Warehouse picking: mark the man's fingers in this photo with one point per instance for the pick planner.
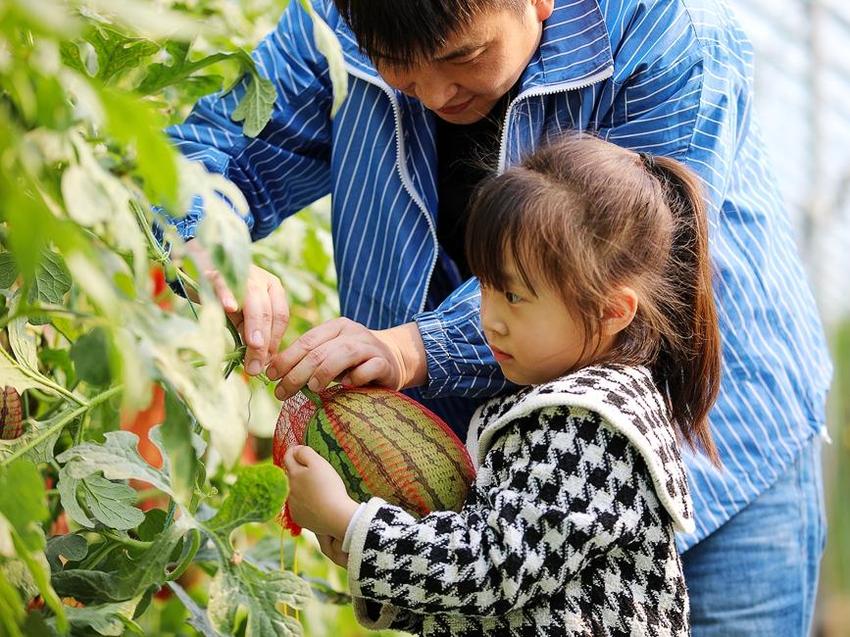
(322, 365)
(375, 370)
(257, 327)
(280, 315)
(283, 363)
(222, 291)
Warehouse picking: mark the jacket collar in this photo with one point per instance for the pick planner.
(574, 48)
(628, 401)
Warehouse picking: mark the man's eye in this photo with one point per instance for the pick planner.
(512, 298)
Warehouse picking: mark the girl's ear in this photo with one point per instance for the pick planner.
(543, 8)
(620, 311)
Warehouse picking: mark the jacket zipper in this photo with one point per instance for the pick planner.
(545, 90)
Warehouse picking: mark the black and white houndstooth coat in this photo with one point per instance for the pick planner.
(567, 530)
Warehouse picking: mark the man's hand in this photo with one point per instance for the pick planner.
(344, 350)
(317, 497)
(261, 320)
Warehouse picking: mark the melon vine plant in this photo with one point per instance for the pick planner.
(90, 337)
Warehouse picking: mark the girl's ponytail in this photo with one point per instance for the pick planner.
(689, 364)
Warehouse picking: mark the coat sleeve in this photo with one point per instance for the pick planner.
(556, 489)
(286, 167)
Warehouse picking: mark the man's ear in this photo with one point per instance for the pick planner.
(620, 311)
(543, 8)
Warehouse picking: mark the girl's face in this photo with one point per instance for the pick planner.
(534, 338)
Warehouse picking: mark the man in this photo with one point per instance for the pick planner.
(437, 86)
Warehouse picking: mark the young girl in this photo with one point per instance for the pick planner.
(595, 295)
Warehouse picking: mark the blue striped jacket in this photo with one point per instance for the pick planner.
(670, 77)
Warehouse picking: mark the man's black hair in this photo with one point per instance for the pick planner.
(405, 31)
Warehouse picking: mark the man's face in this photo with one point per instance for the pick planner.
(466, 78)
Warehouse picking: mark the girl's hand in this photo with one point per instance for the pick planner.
(317, 497)
(332, 548)
(345, 350)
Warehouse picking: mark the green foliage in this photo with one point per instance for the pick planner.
(86, 90)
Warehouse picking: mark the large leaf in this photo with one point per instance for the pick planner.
(91, 356)
(135, 124)
(133, 576)
(21, 378)
(118, 458)
(257, 496)
(264, 594)
(177, 444)
(117, 53)
(8, 270)
(255, 107)
(52, 279)
(111, 503)
(38, 439)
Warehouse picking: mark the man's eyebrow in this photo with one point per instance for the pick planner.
(459, 53)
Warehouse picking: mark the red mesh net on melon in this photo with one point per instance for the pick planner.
(399, 449)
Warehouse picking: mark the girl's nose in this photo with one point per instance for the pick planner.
(490, 321)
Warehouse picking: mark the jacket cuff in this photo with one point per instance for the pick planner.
(437, 358)
(370, 614)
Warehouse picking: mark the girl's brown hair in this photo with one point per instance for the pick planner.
(584, 217)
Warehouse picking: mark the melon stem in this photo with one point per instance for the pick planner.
(313, 396)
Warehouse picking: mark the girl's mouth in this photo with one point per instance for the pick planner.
(499, 355)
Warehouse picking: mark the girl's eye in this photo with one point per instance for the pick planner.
(512, 298)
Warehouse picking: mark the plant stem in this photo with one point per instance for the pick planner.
(125, 539)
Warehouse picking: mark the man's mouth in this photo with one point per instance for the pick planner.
(457, 108)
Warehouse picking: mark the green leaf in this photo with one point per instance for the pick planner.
(8, 270)
(262, 593)
(22, 341)
(255, 107)
(67, 487)
(22, 502)
(176, 436)
(257, 496)
(118, 54)
(105, 619)
(197, 616)
(112, 503)
(14, 374)
(52, 279)
(91, 355)
(133, 576)
(118, 459)
(71, 546)
(329, 46)
(39, 438)
(11, 608)
(133, 123)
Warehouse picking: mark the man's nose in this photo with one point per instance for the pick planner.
(435, 92)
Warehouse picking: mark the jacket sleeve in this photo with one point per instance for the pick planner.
(286, 167)
(556, 489)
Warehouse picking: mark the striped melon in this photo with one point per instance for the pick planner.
(381, 443)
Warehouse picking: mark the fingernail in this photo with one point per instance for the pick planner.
(313, 384)
(254, 367)
(256, 338)
(271, 372)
